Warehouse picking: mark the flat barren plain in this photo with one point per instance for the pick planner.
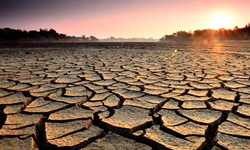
(125, 96)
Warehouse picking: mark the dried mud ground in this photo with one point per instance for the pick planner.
(125, 96)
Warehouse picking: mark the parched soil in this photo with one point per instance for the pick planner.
(120, 96)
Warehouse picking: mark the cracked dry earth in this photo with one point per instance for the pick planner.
(126, 98)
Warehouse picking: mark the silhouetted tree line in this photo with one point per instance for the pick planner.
(8, 34)
(210, 34)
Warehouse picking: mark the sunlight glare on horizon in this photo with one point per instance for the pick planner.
(220, 21)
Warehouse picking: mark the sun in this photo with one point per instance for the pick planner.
(219, 21)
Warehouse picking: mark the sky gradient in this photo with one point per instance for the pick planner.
(118, 18)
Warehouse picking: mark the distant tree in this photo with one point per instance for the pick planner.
(180, 35)
(167, 38)
(92, 38)
(34, 34)
(206, 34)
(62, 36)
(25, 34)
(112, 38)
(84, 37)
(190, 32)
(236, 28)
(44, 33)
(13, 34)
(53, 34)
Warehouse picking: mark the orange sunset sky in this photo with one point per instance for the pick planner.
(128, 18)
